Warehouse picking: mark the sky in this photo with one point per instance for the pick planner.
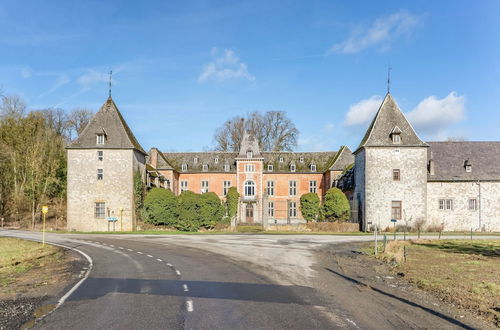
(182, 68)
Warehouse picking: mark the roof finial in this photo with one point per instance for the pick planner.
(389, 79)
(110, 75)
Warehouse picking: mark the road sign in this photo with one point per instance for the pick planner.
(45, 209)
(394, 220)
(112, 219)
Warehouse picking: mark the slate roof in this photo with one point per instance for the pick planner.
(449, 160)
(343, 159)
(322, 160)
(389, 119)
(107, 120)
(249, 143)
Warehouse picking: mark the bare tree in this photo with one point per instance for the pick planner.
(12, 106)
(78, 119)
(273, 129)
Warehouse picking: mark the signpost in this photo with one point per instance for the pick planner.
(113, 220)
(45, 210)
(394, 221)
(121, 218)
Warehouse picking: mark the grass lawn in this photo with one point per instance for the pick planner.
(25, 263)
(463, 272)
(241, 231)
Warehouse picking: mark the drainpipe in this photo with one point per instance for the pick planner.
(479, 203)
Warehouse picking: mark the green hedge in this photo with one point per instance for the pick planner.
(310, 206)
(336, 206)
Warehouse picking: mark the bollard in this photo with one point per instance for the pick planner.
(385, 241)
(471, 234)
(439, 237)
(405, 252)
(418, 231)
(376, 241)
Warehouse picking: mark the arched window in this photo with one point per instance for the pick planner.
(249, 188)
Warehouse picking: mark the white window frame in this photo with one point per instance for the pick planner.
(249, 168)
(99, 210)
(396, 138)
(313, 186)
(227, 167)
(249, 188)
(216, 160)
(292, 209)
(281, 159)
(270, 188)
(301, 159)
(249, 154)
(100, 139)
(184, 185)
(226, 186)
(293, 167)
(100, 155)
(445, 204)
(195, 160)
(204, 167)
(204, 186)
(270, 209)
(270, 168)
(292, 188)
(100, 174)
(184, 167)
(472, 204)
(313, 167)
(468, 168)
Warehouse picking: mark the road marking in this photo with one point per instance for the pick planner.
(185, 288)
(130, 250)
(111, 245)
(178, 272)
(170, 265)
(120, 248)
(159, 260)
(150, 256)
(189, 305)
(139, 252)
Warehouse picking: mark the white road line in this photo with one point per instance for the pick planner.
(169, 265)
(111, 245)
(150, 256)
(159, 260)
(185, 288)
(130, 250)
(139, 252)
(178, 272)
(120, 248)
(189, 305)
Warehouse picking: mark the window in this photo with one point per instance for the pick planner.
(270, 209)
(301, 159)
(396, 139)
(312, 186)
(396, 210)
(100, 138)
(227, 185)
(281, 159)
(167, 184)
(270, 168)
(226, 167)
(473, 204)
(249, 188)
(100, 210)
(270, 188)
(249, 154)
(100, 174)
(204, 186)
(292, 168)
(204, 167)
(396, 175)
(292, 210)
(293, 188)
(446, 204)
(195, 160)
(100, 155)
(184, 186)
(216, 160)
(184, 167)
(468, 168)
(313, 167)
(249, 168)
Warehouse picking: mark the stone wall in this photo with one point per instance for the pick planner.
(460, 218)
(116, 188)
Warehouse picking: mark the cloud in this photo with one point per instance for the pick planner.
(92, 76)
(434, 116)
(26, 72)
(382, 32)
(362, 112)
(225, 66)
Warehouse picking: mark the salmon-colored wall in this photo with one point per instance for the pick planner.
(215, 181)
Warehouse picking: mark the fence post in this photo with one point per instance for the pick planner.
(471, 234)
(385, 241)
(376, 241)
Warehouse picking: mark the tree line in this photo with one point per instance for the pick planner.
(33, 158)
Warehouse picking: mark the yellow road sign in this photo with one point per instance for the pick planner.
(45, 209)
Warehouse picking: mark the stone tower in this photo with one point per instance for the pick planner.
(390, 171)
(102, 163)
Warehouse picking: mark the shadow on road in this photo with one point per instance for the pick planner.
(406, 301)
(94, 288)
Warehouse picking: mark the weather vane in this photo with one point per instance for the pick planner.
(389, 79)
(110, 75)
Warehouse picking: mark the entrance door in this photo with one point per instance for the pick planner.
(249, 212)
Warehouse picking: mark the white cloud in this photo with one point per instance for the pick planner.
(433, 116)
(382, 32)
(26, 72)
(92, 76)
(225, 66)
(362, 112)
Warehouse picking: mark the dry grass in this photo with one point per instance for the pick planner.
(463, 272)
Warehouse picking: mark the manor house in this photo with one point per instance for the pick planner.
(395, 176)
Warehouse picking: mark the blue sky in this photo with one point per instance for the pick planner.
(182, 68)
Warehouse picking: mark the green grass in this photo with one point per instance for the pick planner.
(160, 232)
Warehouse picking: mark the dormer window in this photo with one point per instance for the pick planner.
(249, 154)
(204, 167)
(100, 138)
(281, 159)
(195, 160)
(396, 135)
(184, 167)
(216, 160)
(226, 167)
(292, 167)
(301, 159)
(468, 166)
(269, 168)
(313, 167)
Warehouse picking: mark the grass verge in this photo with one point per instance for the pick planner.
(465, 273)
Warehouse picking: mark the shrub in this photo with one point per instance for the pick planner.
(232, 198)
(309, 206)
(139, 191)
(160, 207)
(188, 211)
(336, 206)
(211, 210)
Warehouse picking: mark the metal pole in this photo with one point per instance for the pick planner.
(394, 231)
(385, 242)
(43, 231)
(121, 219)
(376, 240)
(471, 234)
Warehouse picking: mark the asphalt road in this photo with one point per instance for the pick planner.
(226, 282)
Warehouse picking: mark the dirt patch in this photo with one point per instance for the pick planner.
(31, 275)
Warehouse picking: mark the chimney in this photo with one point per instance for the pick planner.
(154, 157)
